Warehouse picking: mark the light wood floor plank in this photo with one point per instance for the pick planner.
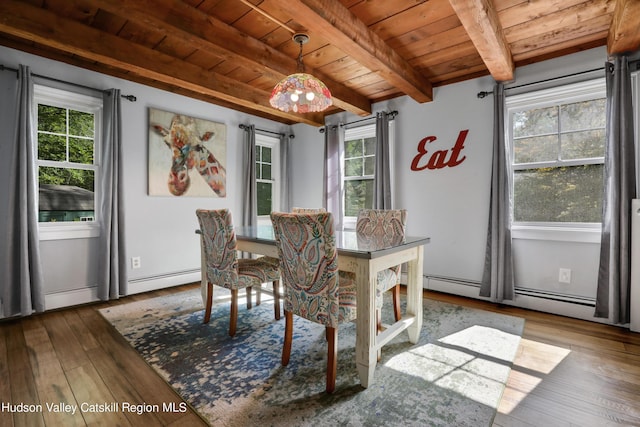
(91, 391)
(49, 377)
(83, 335)
(68, 348)
(5, 384)
(23, 387)
(152, 388)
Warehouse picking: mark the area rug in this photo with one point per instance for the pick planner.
(454, 375)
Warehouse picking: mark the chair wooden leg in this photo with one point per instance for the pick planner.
(207, 310)
(248, 292)
(379, 324)
(233, 318)
(276, 298)
(332, 358)
(258, 294)
(288, 336)
(396, 302)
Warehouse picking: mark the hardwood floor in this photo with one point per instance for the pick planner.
(567, 372)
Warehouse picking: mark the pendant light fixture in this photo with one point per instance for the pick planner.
(300, 92)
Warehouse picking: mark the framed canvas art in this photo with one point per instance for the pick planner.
(187, 156)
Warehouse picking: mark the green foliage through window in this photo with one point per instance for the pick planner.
(359, 169)
(558, 161)
(264, 179)
(66, 163)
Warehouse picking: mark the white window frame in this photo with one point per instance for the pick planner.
(78, 102)
(365, 131)
(571, 93)
(274, 144)
(359, 132)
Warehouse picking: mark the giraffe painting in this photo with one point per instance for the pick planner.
(186, 155)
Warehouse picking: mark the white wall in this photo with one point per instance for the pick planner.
(449, 204)
(160, 230)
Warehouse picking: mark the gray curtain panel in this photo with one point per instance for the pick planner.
(285, 167)
(332, 188)
(22, 286)
(497, 278)
(112, 270)
(614, 274)
(249, 194)
(382, 175)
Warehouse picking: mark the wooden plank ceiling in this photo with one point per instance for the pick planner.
(233, 52)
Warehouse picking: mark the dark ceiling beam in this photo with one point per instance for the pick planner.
(338, 26)
(43, 27)
(202, 31)
(60, 56)
(480, 20)
(624, 32)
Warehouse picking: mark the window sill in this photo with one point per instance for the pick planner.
(68, 231)
(349, 223)
(565, 233)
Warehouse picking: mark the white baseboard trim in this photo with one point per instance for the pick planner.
(146, 284)
(136, 286)
(69, 298)
(561, 308)
(465, 288)
(540, 303)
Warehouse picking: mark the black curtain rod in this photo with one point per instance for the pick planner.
(485, 93)
(632, 64)
(244, 127)
(393, 115)
(131, 98)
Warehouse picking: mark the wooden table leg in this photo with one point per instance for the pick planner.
(414, 294)
(366, 327)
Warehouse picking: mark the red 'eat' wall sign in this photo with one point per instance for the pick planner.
(440, 158)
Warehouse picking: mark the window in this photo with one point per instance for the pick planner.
(557, 140)
(68, 129)
(359, 167)
(267, 174)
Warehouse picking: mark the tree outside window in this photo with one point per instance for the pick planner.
(359, 169)
(558, 155)
(264, 180)
(67, 167)
(267, 175)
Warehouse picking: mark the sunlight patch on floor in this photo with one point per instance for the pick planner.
(534, 361)
(473, 362)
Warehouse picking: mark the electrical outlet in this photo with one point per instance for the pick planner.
(135, 262)
(565, 275)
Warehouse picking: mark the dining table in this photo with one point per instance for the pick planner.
(365, 257)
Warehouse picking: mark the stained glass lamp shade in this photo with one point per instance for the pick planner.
(300, 92)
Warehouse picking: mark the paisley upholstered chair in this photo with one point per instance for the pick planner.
(313, 287)
(223, 268)
(308, 210)
(384, 225)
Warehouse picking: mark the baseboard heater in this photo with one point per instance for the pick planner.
(552, 296)
(471, 288)
(165, 280)
(455, 280)
(164, 275)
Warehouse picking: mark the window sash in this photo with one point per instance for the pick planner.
(360, 133)
(554, 97)
(274, 144)
(68, 100)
